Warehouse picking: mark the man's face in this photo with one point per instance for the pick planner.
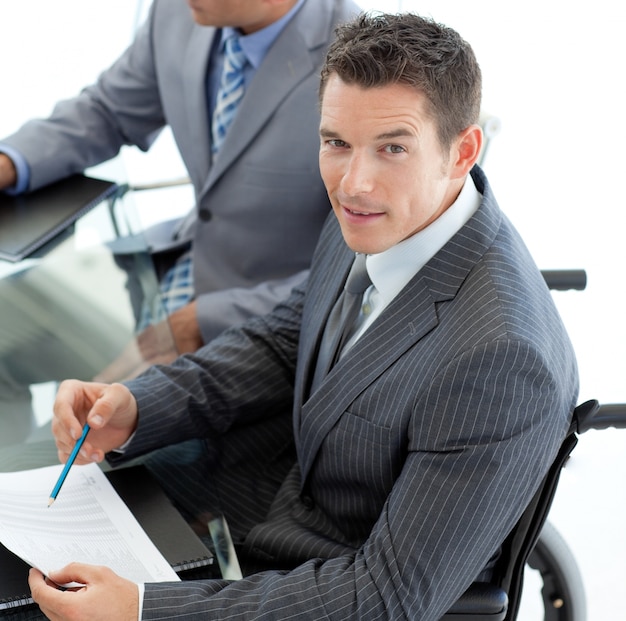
(381, 161)
(248, 15)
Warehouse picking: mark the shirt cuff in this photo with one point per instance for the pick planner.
(22, 168)
(122, 449)
(140, 589)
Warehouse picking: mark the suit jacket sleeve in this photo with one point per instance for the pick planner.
(219, 310)
(241, 376)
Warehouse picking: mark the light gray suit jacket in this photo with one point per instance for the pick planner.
(261, 207)
(415, 456)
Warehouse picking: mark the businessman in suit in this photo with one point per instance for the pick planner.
(420, 446)
(258, 214)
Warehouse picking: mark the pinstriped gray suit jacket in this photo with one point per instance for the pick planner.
(415, 456)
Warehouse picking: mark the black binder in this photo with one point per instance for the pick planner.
(165, 526)
(30, 221)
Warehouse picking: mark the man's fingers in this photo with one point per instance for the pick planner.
(109, 409)
(70, 409)
(78, 574)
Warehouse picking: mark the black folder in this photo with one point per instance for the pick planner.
(165, 526)
(30, 221)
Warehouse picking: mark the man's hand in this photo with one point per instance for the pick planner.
(105, 595)
(160, 343)
(8, 174)
(186, 329)
(110, 410)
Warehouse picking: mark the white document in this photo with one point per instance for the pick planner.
(88, 523)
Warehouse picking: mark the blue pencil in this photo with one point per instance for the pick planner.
(68, 465)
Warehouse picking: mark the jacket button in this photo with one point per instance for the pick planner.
(307, 502)
(205, 215)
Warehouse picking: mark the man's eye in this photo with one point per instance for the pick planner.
(394, 148)
(335, 142)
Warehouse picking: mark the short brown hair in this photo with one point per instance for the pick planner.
(379, 49)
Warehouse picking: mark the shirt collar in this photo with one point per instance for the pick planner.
(256, 45)
(391, 270)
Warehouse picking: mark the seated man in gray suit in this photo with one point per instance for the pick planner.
(258, 214)
(421, 439)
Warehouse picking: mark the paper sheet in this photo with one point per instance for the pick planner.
(88, 523)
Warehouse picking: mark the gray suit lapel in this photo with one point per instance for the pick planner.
(195, 101)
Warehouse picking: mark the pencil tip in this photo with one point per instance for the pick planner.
(50, 501)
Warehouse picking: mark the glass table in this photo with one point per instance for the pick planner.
(87, 308)
(72, 313)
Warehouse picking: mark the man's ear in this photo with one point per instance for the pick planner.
(466, 150)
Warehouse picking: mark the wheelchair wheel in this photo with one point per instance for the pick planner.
(562, 592)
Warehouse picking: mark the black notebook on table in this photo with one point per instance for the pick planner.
(165, 526)
(29, 221)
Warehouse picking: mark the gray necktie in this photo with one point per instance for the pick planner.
(341, 319)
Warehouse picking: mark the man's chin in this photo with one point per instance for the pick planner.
(357, 243)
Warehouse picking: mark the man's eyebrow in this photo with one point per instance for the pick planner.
(395, 133)
(390, 135)
(328, 133)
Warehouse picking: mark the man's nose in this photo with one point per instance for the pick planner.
(358, 177)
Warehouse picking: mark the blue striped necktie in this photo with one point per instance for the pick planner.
(230, 91)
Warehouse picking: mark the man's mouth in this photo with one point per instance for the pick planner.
(355, 211)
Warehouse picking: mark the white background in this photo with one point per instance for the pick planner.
(554, 75)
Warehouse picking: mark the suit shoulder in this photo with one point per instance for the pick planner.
(317, 19)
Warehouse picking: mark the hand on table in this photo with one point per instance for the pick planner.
(105, 595)
(8, 174)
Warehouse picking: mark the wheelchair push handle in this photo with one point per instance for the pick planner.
(610, 415)
(564, 280)
(592, 415)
